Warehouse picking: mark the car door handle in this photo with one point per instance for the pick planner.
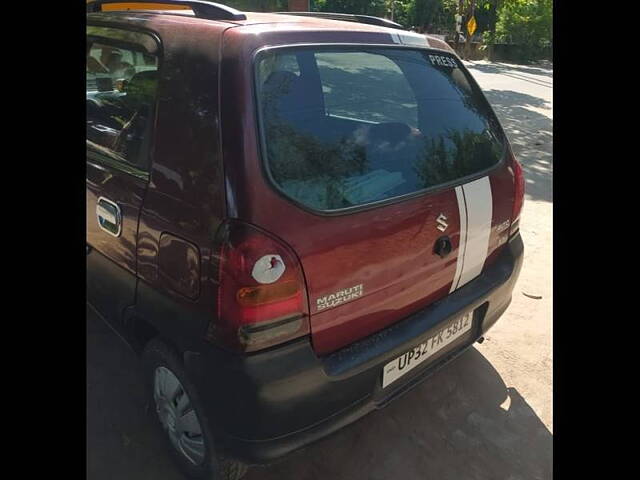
(109, 216)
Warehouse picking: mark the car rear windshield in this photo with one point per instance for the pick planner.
(346, 126)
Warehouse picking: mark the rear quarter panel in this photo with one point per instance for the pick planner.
(184, 200)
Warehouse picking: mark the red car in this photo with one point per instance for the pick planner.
(295, 220)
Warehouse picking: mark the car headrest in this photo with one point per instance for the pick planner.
(287, 96)
(280, 82)
(141, 88)
(112, 60)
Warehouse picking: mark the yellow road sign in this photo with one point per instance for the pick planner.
(471, 25)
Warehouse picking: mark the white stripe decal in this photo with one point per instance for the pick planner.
(395, 38)
(463, 233)
(475, 229)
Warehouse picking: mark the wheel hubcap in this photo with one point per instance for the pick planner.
(177, 416)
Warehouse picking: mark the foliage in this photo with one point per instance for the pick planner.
(432, 15)
(376, 8)
(435, 16)
(525, 22)
(486, 15)
(258, 5)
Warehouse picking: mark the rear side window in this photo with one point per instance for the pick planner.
(348, 126)
(122, 78)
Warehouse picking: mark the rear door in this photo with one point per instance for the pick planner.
(401, 163)
(121, 83)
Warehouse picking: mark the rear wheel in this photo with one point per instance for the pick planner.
(182, 419)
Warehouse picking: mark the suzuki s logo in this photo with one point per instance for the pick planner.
(442, 222)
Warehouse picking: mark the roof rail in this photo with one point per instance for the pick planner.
(348, 17)
(201, 9)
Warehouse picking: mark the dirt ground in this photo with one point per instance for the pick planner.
(488, 415)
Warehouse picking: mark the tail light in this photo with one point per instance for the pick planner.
(262, 299)
(518, 200)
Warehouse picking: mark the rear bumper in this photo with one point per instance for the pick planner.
(266, 405)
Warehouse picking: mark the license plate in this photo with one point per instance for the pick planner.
(414, 357)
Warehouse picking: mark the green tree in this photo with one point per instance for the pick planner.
(432, 15)
(525, 22)
(259, 5)
(376, 8)
(486, 15)
(400, 9)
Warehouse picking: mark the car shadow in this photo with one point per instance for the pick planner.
(122, 441)
(462, 423)
(531, 136)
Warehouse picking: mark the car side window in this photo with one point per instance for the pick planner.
(122, 79)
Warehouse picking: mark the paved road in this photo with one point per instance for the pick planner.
(486, 416)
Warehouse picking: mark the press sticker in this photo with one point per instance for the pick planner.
(442, 61)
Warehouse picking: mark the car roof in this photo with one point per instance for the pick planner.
(252, 18)
(268, 20)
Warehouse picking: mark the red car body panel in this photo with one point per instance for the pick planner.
(388, 249)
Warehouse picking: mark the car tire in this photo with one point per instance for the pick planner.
(163, 366)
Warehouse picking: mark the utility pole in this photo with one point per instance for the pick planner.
(471, 12)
